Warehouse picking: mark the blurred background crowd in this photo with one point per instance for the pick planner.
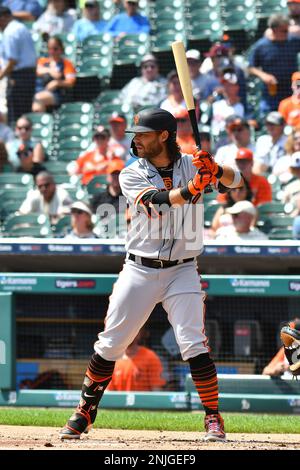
(73, 73)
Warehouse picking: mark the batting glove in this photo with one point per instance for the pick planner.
(201, 179)
(205, 161)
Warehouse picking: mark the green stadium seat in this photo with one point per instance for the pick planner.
(15, 180)
(280, 234)
(271, 208)
(264, 9)
(131, 48)
(209, 212)
(42, 231)
(55, 167)
(97, 184)
(62, 226)
(26, 225)
(76, 107)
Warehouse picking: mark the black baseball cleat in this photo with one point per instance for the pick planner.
(78, 423)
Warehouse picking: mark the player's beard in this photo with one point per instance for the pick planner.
(153, 150)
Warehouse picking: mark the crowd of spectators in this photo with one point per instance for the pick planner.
(264, 143)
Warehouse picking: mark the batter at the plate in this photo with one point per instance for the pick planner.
(164, 190)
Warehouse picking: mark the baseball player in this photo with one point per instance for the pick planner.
(164, 189)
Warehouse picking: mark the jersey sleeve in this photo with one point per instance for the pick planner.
(134, 186)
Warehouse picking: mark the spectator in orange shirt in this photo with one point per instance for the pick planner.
(138, 370)
(289, 108)
(94, 162)
(185, 138)
(259, 185)
(55, 75)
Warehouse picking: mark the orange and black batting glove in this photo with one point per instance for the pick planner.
(205, 161)
(201, 179)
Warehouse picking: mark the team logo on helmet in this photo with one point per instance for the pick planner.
(136, 119)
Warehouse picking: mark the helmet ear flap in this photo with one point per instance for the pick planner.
(133, 150)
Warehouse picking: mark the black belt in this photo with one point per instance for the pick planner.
(157, 263)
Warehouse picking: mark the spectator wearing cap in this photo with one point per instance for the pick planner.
(270, 146)
(273, 61)
(94, 162)
(291, 191)
(239, 135)
(56, 19)
(200, 82)
(18, 62)
(81, 222)
(24, 10)
(90, 23)
(221, 60)
(230, 103)
(56, 75)
(48, 198)
(113, 193)
(147, 90)
(129, 21)
(290, 107)
(243, 215)
(293, 17)
(119, 141)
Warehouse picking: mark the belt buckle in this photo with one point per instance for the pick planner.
(160, 261)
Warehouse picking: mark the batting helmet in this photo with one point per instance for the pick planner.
(153, 119)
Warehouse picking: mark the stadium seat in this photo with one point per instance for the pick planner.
(280, 234)
(209, 212)
(247, 338)
(62, 226)
(76, 107)
(264, 9)
(131, 48)
(271, 208)
(26, 225)
(55, 167)
(97, 184)
(15, 180)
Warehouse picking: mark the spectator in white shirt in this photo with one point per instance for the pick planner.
(270, 147)
(55, 20)
(148, 89)
(228, 105)
(243, 216)
(49, 199)
(240, 137)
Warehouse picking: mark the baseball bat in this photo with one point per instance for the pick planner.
(186, 86)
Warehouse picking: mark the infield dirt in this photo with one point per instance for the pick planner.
(45, 438)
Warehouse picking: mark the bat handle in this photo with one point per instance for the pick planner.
(208, 188)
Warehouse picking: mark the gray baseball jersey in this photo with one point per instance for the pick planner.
(178, 233)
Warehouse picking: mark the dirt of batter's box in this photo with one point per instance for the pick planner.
(43, 438)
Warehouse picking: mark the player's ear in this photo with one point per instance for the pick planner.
(164, 135)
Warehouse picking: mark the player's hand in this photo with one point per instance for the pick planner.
(205, 161)
(201, 179)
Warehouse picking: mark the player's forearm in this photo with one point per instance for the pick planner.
(231, 178)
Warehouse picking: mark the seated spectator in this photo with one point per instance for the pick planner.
(24, 154)
(5, 165)
(49, 199)
(55, 20)
(119, 141)
(279, 365)
(174, 103)
(90, 23)
(81, 222)
(219, 54)
(291, 192)
(185, 138)
(222, 218)
(243, 215)
(148, 89)
(139, 370)
(55, 75)
(281, 168)
(259, 185)
(113, 193)
(94, 162)
(239, 136)
(228, 104)
(23, 10)
(128, 22)
(6, 133)
(201, 84)
(289, 107)
(270, 147)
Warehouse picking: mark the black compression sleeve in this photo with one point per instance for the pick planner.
(157, 197)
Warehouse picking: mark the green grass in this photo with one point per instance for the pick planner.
(155, 420)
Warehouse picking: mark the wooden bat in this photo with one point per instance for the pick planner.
(186, 86)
